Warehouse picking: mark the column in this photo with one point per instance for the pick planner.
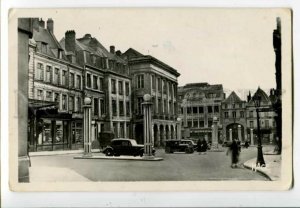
(240, 132)
(251, 137)
(87, 126)
(230, 134)
(179, 130)
(215, 132)
(163, 139)
(133, 131)
(125, 130)
(271, 137)
(158, 136)
(147, 127)
(152, 129)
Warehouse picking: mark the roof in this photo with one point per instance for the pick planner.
(198, 91)
(233, 98)
(133, 57)
(264, 97)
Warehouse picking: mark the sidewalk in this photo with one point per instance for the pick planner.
(54, 174)
(272, 169)
(59, 152)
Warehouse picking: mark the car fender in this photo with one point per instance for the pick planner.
(108, 148)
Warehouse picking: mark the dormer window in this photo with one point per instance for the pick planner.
(44, 47)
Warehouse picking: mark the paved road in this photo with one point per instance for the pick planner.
(174, 167)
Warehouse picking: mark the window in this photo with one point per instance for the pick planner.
(101, 83)
(195, 124)
(88, 80)
(188, 110)
(159, 106)
(181, 110)
(120, 88)
(96, 107)
(251, 124)
(95, 82)
(153, 81)
(226, 114)
(201, 110)
(39, 71)
(201, 123)
(164, 86)
(127, 108)
(216, 109)
(115, 129)
(64, 77)
(72, 80)
(40, 95)
(233, 114)
(139, 106)
(127, 88)
(78, 104)
(56, 79)
(114, 107)
(189, 123)
(267, 124)
(121, 108)
(64, 102)
(71, 103)
(209, 109)
(122, 131)
(195, 110)
(78, 81)
(56, 97)
(242, 114)
(113, 86)
(48, 73)
(210, 123)
(140, 81)
(165, 107)
(226, 106)
(44, 47)
(159, 84)
(233, 105)
(170, 89)
(251, 114)
(102, 107)
(49, 96)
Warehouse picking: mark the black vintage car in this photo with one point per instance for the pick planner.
(179, 146)
(119, 147)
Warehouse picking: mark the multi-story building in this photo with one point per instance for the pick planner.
(152, 76)
(55, 116)
(266, 114)
(233, 118)
(199, 104)
(106, 81)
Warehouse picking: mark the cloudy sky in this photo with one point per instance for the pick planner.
(218, 46)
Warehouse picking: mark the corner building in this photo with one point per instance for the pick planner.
(152, 76)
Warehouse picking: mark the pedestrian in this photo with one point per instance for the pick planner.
(202, 146)
(246, 144)
(234, 150)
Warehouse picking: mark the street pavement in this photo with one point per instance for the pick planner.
(173, 167)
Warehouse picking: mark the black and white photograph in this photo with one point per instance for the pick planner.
(150, 99)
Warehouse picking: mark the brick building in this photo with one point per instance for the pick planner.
(199, 104)
(152, 76)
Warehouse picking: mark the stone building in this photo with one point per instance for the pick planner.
(267, 122)
(233, 118)
(55, 119)
(199, 104)
(152, 76)
(106, 81)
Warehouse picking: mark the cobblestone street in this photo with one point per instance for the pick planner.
(174, 167)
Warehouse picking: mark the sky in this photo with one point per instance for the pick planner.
(233, 47)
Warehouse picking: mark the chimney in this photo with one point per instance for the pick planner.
(118, 52)
(50, 25)
(112, 49)
(42, 23)
(70, 37)
(35, 23)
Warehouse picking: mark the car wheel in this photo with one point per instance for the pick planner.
(187, 150)
(141, 153)
(168, 150)
(109, 152)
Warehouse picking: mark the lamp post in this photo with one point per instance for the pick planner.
(260, 157)
(148, 146)
(179, 129)
(87, 127)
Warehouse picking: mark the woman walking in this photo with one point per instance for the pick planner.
(235, 152)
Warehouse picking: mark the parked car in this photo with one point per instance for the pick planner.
(179, 146)
(119, 147)
(189, 142)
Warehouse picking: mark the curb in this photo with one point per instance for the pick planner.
(60, 152)
(259, 171)
(119, 158)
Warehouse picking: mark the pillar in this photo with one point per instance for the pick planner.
(215, 132)
(133, 131)
(271, 137)
(147, 127)
(179, 130)
(251, 137)
(87, 123)
(230, 134)
(240, 132)
(163, 139)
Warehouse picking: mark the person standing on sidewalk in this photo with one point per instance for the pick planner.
(235, 152)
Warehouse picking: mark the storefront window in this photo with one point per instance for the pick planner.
(59, 132)
(47, 137)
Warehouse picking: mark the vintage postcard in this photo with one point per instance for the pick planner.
(150, 99)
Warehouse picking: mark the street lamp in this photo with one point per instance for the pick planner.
(260, 157)
(179, 129)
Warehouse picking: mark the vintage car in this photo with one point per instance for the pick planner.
(189, 142)
(179, 146)
(119, 147)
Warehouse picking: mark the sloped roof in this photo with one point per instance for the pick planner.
(194, 91)
(259, 92)
(43, 35)
(233, 98)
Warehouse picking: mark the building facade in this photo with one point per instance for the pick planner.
(234, 121)
(151, 76)
(267, 121)
(199, 104)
